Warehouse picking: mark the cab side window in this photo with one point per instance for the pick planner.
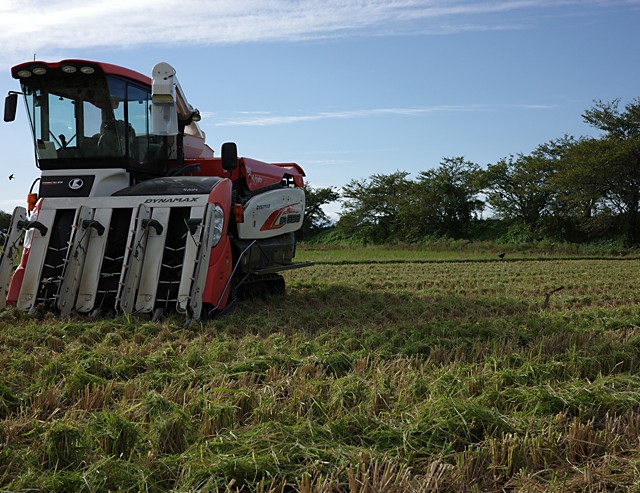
(148, 151)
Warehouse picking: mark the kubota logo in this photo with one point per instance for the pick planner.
(76, 184)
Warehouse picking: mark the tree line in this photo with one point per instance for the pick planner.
(568, 189)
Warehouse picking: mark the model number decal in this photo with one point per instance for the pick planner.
(289, 214)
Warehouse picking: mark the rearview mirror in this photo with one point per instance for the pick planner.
(10, 105)
(229, 154)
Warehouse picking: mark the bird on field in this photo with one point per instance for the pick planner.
(11, 176)
(501, 255)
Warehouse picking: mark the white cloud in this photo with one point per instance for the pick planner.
(251, 119)
(54, 25)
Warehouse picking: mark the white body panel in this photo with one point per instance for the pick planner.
(32, 273)
(203, 239)
(75, 263)
(272, 213)
(154, 249)
(192, 247)
(93, 261)
(133, 260)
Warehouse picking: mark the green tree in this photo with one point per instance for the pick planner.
(374, 209)
(5, 220)
(315, 218)
(604, 172)
(446, 199)
(606, 116)
(521, 188)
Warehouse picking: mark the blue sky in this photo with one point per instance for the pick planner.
(346, 88)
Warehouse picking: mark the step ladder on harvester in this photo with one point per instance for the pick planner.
(120, 255)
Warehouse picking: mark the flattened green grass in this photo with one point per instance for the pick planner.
(459, 250)
(395, 377)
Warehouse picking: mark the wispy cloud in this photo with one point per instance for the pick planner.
(56, 25)
(258, 119)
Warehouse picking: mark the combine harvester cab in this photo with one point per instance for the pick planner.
(133, 212)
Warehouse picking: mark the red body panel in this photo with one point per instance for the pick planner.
(216, 291)
(256, 173)
(294, 170)
(16, 281)
(105, 68)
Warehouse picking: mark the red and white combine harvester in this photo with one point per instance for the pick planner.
(133, 212)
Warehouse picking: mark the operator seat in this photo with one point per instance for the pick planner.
(112, 138)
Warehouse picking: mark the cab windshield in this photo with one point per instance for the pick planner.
(86, 121)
